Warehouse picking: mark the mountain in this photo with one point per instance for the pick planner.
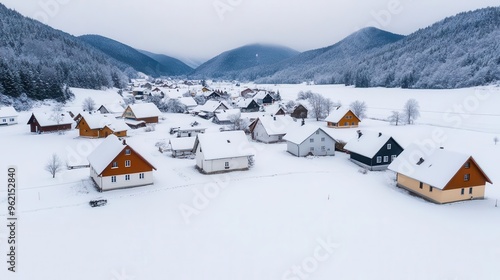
(242, 58)
(37, 61)
(459, 51)
(178, 67)
(137, 60)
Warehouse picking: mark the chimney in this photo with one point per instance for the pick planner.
(274, 118)
(359, 133)
(124, 142)
(442, 148)
(379, 134)
(420, 161)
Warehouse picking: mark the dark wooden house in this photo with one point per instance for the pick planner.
(299, 112)
(44, 122)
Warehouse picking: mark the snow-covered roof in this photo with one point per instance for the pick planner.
(102, 156)
(209, 106)
(8, 112)
(297, 135)
(244, 103)
(260, 95)
(228, 144)
(182, 143)
(188, 101)
(278, 125)
(95, 121)
(113, 108)
(208, 93)
(368, 144)
(118, 125)
(192, 128)
(133, 122)
(145, 110)
(47, 119)
(337, 114)
(439, 166)
(225, 115)
(274, 108)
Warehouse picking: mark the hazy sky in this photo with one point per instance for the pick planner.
(202, 29)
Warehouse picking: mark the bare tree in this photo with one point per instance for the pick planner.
(57, 113)
(54, 165)
(330, 105)
(319, 106)
(305, 95)
(175, 106)
(290, 105)
(411, 110)
(395, 118)
(88, 104)
(238, 123)
(495, 140)
(359, 109)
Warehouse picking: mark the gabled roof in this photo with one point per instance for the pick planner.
(338, 114)
(368, 144)
(261, 95)
(113, 108)
(188, 101)
(118, 125)
(220, 145)
(278, 125)
(94, 121)
(182, 143)
(208, 93)
(225, 115)
(47, 119)
(209, 106)
(106, 152)
(244, 103)
(300, 134)
(145, 110)
(8, 112)
(439, 166)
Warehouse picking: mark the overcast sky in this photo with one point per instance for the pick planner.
(202, 29)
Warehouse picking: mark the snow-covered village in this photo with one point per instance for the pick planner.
(209, 174)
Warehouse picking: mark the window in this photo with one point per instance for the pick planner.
(462, 191)
(141, 175)
(389, 146)
(115, 164)
(430, 188)
(127, 177)
(386, 158)
(353, 123)
(12, 120)
(393, 157)
(127, 152)
(379, 159)
(346, 123)
(127, 163)
(466, 177)
(311, 140)
(470, 190)
(113, 179)
(317, 131)
(421, 185)
(323, 148)
(322, 139)
(467, 165)
(226, 165)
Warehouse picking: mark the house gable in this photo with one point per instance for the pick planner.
(384, 151)
(476, 176)
(137, 164)
(128, 113)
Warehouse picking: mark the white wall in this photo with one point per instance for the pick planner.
(261, 135)
(218, 165)
(305, 148)
(105, 183)
(8, 120)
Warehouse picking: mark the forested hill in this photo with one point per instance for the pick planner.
(38, 60)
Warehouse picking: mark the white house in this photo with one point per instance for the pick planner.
(310, 140)
(116, 165)
(272, 129)
(208, 109)
(222, 151)
(181, 146)
(8, 116)
(189, 102)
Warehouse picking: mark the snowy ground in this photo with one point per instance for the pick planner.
(286, 218)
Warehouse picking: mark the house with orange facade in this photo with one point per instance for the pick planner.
(99, 126)
(147, 112)
(116, 165)
(342, 118)
(439, 175)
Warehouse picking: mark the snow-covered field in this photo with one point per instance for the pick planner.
(286, 218)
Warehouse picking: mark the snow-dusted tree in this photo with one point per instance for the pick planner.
(318, 106)
(395, 118)
(57, 113)
(330, 105)
(158, 101)
(200, 99)
(290, 105)
(411, 110)
(88, 104)
(304, 95)
(129, 100)
(53, 165)
(358, 108)
(173, 105)
(238, 123)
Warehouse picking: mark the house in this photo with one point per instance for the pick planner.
(226, 117)
(211, 95)
(247, 105)
(189, 102)
(113, 108)
(263, 98)
(208, 109)
(373, 150)
(182, 147)
(310, 140)
(299, 112)
(98, 126)
(275, 110)
(44, 122)
(439, 175)
(222, 151)
(246, 93)
(342, 118)
(187, 131)
(8, 116)
(134, 124)
(147, 112)
(272, 129)
(116, 165)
